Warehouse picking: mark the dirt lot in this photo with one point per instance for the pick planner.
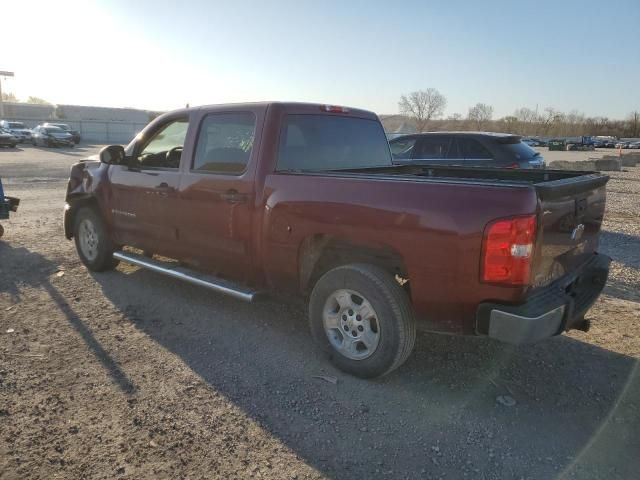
(131, 375)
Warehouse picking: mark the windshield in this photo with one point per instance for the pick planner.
(54, 130)
(520, 150)
(327, 142)
(16, 125)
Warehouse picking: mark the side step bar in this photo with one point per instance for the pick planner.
(208, 281)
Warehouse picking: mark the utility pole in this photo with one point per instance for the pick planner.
(3, 74)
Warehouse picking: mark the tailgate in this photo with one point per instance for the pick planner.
(571, 213)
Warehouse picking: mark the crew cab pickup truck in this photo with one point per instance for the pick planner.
(304, 198)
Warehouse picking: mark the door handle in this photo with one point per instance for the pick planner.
(164, 189)
(233, 196)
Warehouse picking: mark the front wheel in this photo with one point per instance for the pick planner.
(93, 244)
(363, 318)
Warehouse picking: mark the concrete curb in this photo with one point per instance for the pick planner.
(608, 163)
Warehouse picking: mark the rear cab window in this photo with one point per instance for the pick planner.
(330, 142)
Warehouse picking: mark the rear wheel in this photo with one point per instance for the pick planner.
(92, 240)
(363, 318)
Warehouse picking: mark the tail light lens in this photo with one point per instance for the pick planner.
(507, 250)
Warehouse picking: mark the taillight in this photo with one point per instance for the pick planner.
(334, 109)
(507, 250)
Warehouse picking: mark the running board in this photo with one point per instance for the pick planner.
(208, 281)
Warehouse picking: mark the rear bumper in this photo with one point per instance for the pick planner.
(549, 311)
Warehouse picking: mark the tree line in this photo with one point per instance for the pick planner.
(10, 97)
(424, 110)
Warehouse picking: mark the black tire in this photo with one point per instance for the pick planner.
(397, 330)
(102, 246)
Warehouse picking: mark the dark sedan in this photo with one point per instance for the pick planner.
(74, 133)
(469, 149)
(51, 137)
(7, 139)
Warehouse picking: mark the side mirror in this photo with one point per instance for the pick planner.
(112, 154)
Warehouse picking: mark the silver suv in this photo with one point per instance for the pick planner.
(17, 129)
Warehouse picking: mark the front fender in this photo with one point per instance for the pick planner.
(83, 188)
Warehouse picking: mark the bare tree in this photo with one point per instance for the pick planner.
(525, 115)
(9, 97)
(37, 101)
(633, 122)
(552, 118)
(423, 106)
(480, 114)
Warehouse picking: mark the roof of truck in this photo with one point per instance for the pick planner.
(288, 107)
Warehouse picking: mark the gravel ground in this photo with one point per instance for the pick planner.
(574, 156)
(128, 374)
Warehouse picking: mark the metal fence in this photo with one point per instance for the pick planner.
(94, 131)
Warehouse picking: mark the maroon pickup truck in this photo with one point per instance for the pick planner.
(304, 198)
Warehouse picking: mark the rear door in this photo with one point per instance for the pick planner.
(145, 191)
(432, 150)
(474, 154)
(218, 193)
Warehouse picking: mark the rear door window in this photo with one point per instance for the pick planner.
(473, 150)
(225, 143)
(431, 148)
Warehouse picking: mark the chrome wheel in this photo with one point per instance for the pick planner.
(88, 237)
(351, 324)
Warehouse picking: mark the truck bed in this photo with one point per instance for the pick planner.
(547, 183)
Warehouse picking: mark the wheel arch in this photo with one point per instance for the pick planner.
(74, 203)
(320, 253)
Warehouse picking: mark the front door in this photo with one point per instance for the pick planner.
(217, 194)
(146, 190)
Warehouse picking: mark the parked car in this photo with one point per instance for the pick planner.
(473, 149)
(305, 198)
(8, 139)
(51, 137)
(608, 143)
(622, 144)
(534, 142)
(74, 133)
(18, 129)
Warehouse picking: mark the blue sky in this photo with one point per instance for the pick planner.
(580, 55)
